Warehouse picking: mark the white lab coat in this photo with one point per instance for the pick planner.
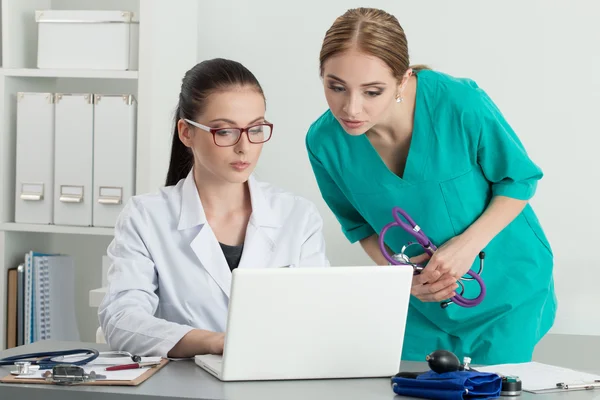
(169, 275)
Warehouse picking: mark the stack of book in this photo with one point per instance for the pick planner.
(41, 300)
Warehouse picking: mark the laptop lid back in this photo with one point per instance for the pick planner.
(311, 323)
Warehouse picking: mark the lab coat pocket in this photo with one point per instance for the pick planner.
(466, 197)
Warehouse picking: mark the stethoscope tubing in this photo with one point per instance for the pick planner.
(413, 229)
(45, 359)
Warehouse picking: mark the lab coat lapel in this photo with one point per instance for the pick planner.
(259, 244)
(204, 243)
(207, 249)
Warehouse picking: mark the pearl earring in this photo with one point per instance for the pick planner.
(399, 99)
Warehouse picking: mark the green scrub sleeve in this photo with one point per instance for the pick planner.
(501, 154)
(352, 223)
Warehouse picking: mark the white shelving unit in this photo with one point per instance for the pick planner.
(19, 72)
(69, 73)
(73, 230)
(168, 47)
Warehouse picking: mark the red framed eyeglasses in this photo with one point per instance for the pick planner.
(230, 136)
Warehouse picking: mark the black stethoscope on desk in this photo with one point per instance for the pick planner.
(50, 359)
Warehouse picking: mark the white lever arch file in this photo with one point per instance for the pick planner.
(34, 183)
(74, 126)
(114, 156)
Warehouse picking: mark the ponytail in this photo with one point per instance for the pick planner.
(419, 67)
(182, 158)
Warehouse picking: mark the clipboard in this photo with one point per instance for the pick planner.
(542, 378)
(100, 382)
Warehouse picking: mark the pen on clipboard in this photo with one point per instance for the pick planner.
(591, 385)
(131, 366)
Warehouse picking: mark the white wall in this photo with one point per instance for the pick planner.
(168, 45)
(539, 61)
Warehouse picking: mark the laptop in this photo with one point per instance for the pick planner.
(313, 323)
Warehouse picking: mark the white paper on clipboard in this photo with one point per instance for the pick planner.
(538, 378)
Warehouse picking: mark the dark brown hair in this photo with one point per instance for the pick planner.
(201, 81)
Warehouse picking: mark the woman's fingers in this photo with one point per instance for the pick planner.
(432, 288)
(432, 272)
(429, 276)
(438, 291)
(444, 294)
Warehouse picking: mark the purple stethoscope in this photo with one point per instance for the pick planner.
(402, 259)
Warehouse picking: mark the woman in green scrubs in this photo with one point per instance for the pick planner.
(438, 147)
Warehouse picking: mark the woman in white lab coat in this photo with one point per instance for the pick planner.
(174, 251)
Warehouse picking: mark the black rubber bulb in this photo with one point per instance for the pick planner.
(441, 361)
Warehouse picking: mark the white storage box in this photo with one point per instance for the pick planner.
(87, 39)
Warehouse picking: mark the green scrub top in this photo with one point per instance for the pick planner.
(462, 153)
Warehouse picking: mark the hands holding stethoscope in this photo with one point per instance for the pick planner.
(450, 262)
(446, 266)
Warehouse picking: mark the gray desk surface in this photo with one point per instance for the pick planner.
(185, 380)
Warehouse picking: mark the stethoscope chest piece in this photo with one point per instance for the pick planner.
(24, 368)
(402, 258)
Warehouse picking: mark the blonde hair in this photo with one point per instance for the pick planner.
(372, 31)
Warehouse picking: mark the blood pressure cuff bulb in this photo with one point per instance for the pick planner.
(456, 385)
